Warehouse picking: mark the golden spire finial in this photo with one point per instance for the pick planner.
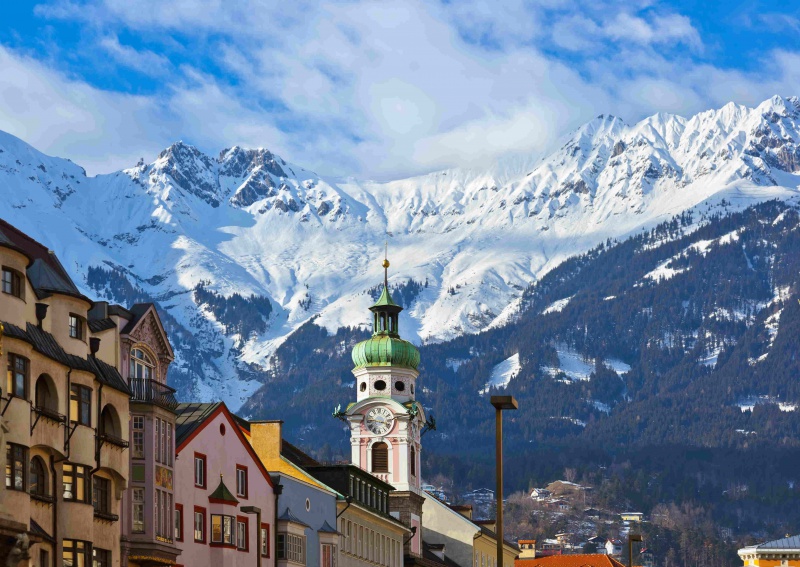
(386, 264)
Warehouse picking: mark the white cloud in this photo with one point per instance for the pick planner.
(143, 61)
(378, 89)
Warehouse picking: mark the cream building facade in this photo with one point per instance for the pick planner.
(64, 410)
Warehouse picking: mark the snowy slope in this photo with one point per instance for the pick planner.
(247, 221)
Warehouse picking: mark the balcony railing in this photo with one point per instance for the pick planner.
(113, 440)
(106, 516)
(150, 391)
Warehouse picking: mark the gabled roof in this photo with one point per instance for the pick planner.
(579, 560)
(46, 344)
(139, 311)
(45, 272)
(192, 418)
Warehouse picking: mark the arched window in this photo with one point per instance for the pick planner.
(413, 461)
(142, 366)
(109, 422)
(38, 477)
(45, 398)
(380, 457)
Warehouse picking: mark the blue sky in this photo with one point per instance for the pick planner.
(373, 89)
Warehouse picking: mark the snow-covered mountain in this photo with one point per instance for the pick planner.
(190, 230)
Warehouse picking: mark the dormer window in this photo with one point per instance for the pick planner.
(12, 282)
(142, 365)
(76, 326)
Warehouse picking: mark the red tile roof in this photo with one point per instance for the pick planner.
(582, 560)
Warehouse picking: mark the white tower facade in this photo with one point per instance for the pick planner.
(386, 420)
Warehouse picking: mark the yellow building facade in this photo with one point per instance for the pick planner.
(779, 553)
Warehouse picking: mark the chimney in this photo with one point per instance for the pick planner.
(94, 345)
(41, 313)
(99, 310)
(266, 437)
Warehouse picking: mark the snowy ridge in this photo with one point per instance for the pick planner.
(249, 222)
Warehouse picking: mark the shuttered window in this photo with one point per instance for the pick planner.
(380, 457)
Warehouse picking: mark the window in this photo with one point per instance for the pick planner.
(138, 436)
(199, 524)
(163, 516)
(242, 532)
(413, 461)
(178, 522)
(44, 558)
(163, 444)
(138, 510)
(328, 555)
(44, 399)
(76, 483)
(241, 481)
(102, 557)
(157, 433)
(170, 451)
(292, 548)
(222, 529)
(141, 365)
(200, 470)
(12, 282)
(80, 405)
(265, 540)
(16, 466)
(17, 376)
(100, 495)
(75, 326)
(77, 553)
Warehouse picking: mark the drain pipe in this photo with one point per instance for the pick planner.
(55, 508)
(67, 440)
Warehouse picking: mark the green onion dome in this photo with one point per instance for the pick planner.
(385, 350)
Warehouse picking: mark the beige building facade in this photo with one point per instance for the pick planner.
(64, 411)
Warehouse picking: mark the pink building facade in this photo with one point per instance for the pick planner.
(219, 484)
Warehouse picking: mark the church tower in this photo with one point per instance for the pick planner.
(385, 421)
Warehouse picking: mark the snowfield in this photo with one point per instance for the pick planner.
(249, 222)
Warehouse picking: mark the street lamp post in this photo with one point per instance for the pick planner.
(500, 403)
(631, 539)
(257, 511)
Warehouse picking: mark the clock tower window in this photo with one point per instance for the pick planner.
(380, 457)
(413, 461)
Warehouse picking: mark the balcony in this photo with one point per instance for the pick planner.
(145, 390)
(113, 440)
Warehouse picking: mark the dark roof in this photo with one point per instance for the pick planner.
(792, 542)
(100, 325)
(40, 531)
(138, 311)
(287, 516)
(46, 344)
(45, 272)
(428, 554)
(486, 531)
(190, 417)
(327, 529)
(222, 493)
(296, 456)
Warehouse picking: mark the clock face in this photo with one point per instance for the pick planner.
(379, 420)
